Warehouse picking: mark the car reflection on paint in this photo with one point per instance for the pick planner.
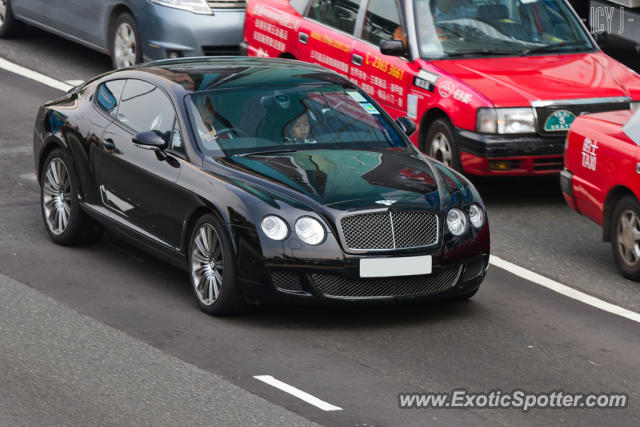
(266, 180)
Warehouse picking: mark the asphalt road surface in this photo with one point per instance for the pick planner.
(106, 334)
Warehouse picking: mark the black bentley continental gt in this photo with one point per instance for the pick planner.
(265, 179)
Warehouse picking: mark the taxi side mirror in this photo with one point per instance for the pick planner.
(407, 125)
(393, 48)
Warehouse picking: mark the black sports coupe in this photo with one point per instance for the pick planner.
(265, 179)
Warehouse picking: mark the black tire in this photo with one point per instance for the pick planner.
(80, 228)
(432, 144)
(628, 261)
(124, 19)
(227, 297)
(9, 25)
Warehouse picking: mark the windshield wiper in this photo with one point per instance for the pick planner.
(276, 151)
(552, 46)
(479, 52)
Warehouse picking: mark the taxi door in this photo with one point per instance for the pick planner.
(325, 36)
(386, 78)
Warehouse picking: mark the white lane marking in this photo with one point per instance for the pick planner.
(494, 260)
(10, 151)
(74, 82)
(29, 177)
(563, 289)
(34, 75)
(312, 400)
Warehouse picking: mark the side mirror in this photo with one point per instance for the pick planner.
(393, 48)
(407, 125)
(601, 38)
(149, 140)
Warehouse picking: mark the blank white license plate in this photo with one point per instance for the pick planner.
(397, 266)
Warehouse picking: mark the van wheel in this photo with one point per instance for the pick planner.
(625, 237)
(126, 48)
(9, 25)
(441, 145)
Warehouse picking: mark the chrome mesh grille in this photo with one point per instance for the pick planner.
(471, 271)
(334, 286)
(227, 4)
(390, 230)
(286, 281)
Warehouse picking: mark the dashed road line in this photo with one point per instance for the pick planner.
(302, 395)
(34, 75)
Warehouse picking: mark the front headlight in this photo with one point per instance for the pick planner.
(506, 120)
(195, 6)
(274, 227)
(309, 230)
(476, 216)
(457, 222)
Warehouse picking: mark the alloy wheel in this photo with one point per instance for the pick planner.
(124, 46)
(56, 196)
(207, 264)
(440, 148)
(628, 237)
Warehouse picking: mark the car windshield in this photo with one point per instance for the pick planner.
(264, 119)
(458, 28)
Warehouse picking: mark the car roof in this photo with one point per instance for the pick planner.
(206, 73)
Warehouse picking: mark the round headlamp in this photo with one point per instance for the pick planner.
(476, 216)
(274, 227)
(457, 222)
(309, 230)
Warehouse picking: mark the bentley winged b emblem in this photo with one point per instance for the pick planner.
(386, 202)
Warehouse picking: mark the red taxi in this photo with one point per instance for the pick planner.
(492, 84)
(601, 180)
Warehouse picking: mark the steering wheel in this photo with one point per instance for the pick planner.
(233, 133)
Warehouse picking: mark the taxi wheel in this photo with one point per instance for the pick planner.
(625, 237)
(212, 269)
(441, 145)
(126, 47)
(8, 23)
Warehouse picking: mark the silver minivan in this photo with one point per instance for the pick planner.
(133, 31)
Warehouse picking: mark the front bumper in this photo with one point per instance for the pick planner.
(480, 154)
(165, 30)
(342, 284)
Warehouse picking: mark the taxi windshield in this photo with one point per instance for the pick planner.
(459, 28)
(258, 120)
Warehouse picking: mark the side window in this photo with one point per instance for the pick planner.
(145, 107)
(339, 14)
(108, 94)
(176, 139)
(382, 22)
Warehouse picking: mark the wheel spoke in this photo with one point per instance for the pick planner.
(210, 297)
(216, 286)
(205, 241)
(201, 248)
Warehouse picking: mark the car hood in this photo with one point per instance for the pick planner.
(340, 179)
(517, 81)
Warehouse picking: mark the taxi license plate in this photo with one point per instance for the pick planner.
(397, 266)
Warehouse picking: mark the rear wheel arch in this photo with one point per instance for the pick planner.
(613, 197)
(50, 144)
